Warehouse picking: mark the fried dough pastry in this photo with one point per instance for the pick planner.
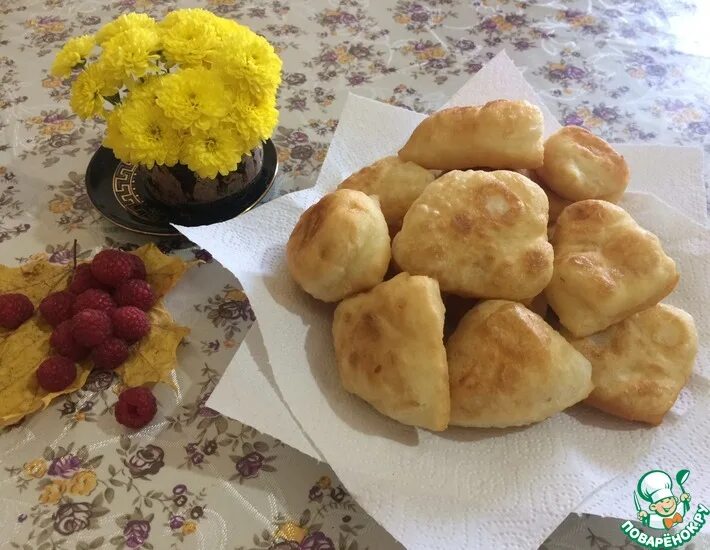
(508, 367)
(396, 184)
(339, 246)
(390, 352)
(499, 134)
(480, 234)
(579, 165)
(607, 267)
(640, 365)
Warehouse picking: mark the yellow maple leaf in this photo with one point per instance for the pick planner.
(156, 355)
(163, 271)
(35, 279)
(21, 353)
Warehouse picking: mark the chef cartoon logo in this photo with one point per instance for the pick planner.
(664, 508)
(661, 508)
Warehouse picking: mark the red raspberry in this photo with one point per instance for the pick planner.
(111, 267)
(93, 299)
(56, 308)
(130, 323)
(135, 292)
(135, 407)
(64, 344)
(138, 267)
(56, 373)
(84, 280)
(15, 309)
(110, 353)
(91, 327)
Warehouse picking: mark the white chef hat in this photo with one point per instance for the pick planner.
(654, 486)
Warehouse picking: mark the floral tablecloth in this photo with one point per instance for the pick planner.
(72, 478)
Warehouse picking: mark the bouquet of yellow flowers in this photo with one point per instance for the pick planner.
(194, 88)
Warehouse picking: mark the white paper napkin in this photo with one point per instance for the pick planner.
(462, 488)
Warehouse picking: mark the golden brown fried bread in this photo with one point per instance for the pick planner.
(640, 365)
(339, 246)
(389, 350)
(508, 367)
(579, 165)
(396, 183)
(480, 234)
(607, 267)
(499, 134)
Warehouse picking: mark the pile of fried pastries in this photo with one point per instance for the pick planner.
(486, 278)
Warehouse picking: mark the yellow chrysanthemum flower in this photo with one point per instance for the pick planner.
(74, 52)
(127, 22)
(189, 39)
(229, 31)
(89, 90)
(114, 139)
(149, 137)
(146, 89)
(254, 123)
(193, 98)
(217, 150)
(253, 70)
(178, 18)
(132, 54)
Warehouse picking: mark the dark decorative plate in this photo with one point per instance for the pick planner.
(114, 191)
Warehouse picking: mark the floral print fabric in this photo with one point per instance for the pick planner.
(73, 478)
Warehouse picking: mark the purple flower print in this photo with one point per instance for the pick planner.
(209, 447)
(420, 16)
(328, 57)
(317, 541)
(64, 255)
(573, 119)
(248, 466)
(72, 517)
(146, 461)
(64, 466)
(315, 493)
(465, 45)
(294, 79)
(176, 522)
(356, 79)
(573, 73)
(136, 532)
(179, 489)
(700, 128)
(54, 118)
(608, 114)
(358, 51)
(21, 518)
(204, 410)
(338, 494)
(656, 70)
(285, 545)
(197, 458)
(302, 152)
